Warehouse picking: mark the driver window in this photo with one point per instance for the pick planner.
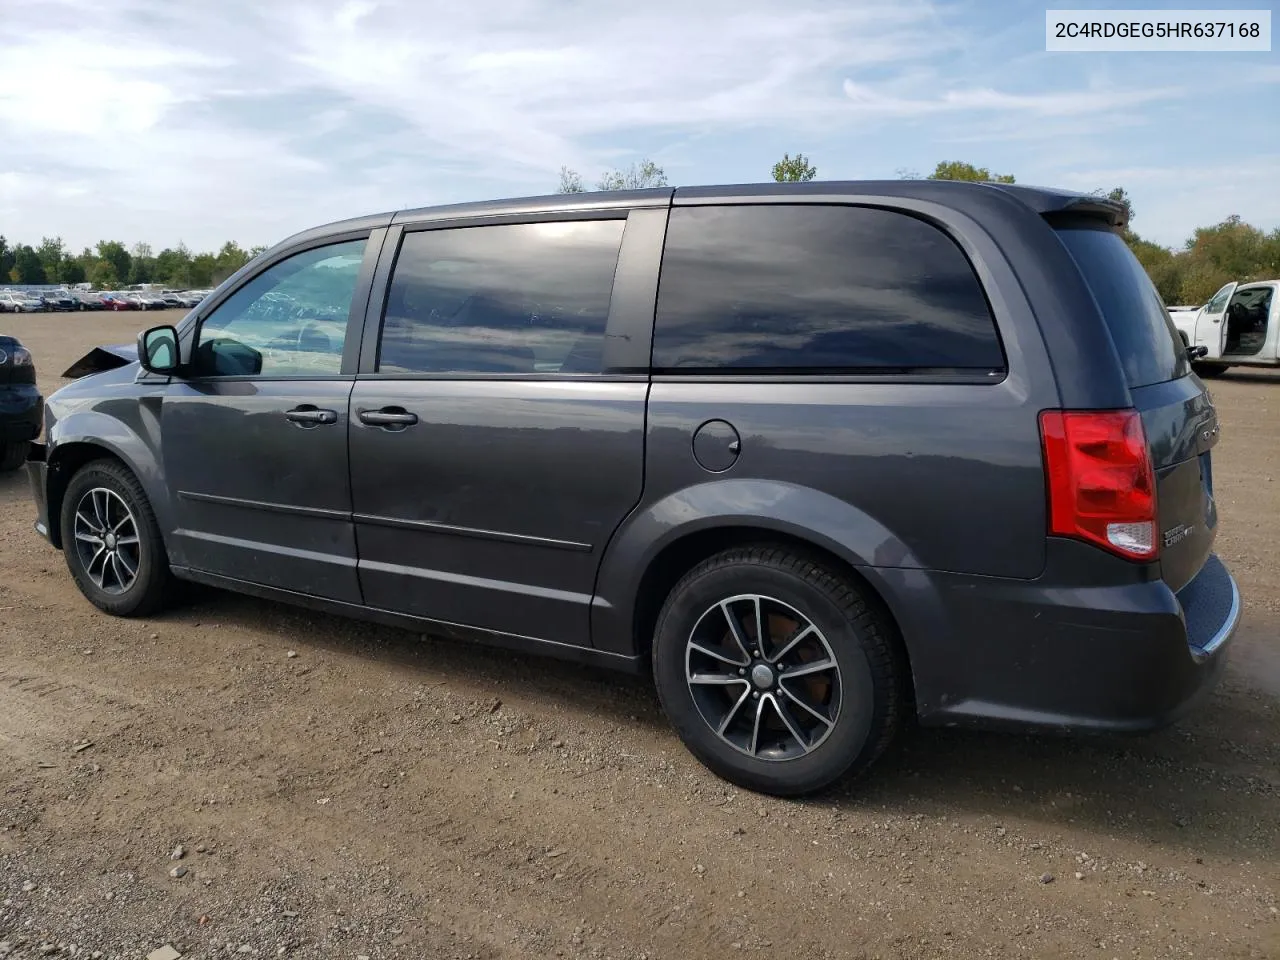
(1219, 301)
(288, 321)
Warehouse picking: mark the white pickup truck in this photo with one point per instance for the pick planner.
(1239, 326)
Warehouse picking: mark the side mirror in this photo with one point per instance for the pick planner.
(158, 350)
(1195, 353)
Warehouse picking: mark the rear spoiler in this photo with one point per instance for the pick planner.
(1111, 213)
(100, 359)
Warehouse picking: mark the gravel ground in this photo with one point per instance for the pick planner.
(341, 790)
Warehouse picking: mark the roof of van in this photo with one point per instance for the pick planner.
(1040, 200)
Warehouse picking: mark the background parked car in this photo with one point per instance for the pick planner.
(21, 406)
(15, 301)
(112, 300)
(88, 301)
(58, 300)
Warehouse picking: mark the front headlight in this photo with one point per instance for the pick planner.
(21, 357)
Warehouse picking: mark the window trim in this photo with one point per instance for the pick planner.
(394, 244)
(925, 213)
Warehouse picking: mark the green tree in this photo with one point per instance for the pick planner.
(27, 267)
(794, 170)
(71, 270)
(142, 268)
(50, 253)
(229, 259)
(202, 267)
(6, 258)
(173, 266)
(114, 253)
(102, 274)
(959, 170)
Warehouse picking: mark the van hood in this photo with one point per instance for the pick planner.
(103, 358)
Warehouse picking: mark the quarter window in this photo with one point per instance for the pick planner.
(288, 321)
(812, 289)
(523, 298)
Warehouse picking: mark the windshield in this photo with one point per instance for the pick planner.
(1144, 335)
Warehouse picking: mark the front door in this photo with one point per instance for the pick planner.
(492, 452)
(255, 436)
(1211, 327)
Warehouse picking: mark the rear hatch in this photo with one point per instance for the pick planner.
(1178, 416)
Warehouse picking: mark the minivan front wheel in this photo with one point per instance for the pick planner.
(775, 670)
(112, 542)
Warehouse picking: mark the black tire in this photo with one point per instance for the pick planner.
(1208, 371)
(149, 588)
(865, 691)
(13, 455)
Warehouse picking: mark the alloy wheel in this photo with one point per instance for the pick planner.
(107, 543)
(763, 677)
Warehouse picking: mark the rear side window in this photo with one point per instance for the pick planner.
(817, 289)
(1145, 338)
(508, 299)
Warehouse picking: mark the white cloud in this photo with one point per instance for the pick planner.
(150, 120)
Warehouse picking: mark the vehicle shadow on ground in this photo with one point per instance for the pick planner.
(1189, 786)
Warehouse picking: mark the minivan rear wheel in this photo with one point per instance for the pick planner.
(776, 671)
(112, 542)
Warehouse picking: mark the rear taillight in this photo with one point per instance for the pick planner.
(1101, 485)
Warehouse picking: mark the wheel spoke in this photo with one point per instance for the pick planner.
(126, 541)
(803, 706)
(89, 538)
(790, 645)
(816, 666)
(761, 645)
(781, 711)
(735, 628)
(121, 571)
(733, 712)
(755, 727)
(130, 567)
(716, 679)
(97, 578)
(84, 519)
(715, 654)
(101, 508)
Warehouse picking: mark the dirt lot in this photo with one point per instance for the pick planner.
(342, 790)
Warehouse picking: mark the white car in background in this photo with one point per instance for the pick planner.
(15, 301)
(1239, 326)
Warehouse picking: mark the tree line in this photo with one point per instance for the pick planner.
(109, 264)
(1212, 256)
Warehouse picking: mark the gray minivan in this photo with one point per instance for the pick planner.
(822, 456)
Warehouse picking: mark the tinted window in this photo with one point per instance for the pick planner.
(518, 298)
(1144, 335)
(819, 289)
(288, 321)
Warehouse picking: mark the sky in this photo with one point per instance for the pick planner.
(161, 121)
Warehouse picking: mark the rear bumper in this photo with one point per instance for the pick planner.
(1072, 656)
(21, 409)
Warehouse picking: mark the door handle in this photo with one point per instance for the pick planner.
(392, 418)
(310, 416)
